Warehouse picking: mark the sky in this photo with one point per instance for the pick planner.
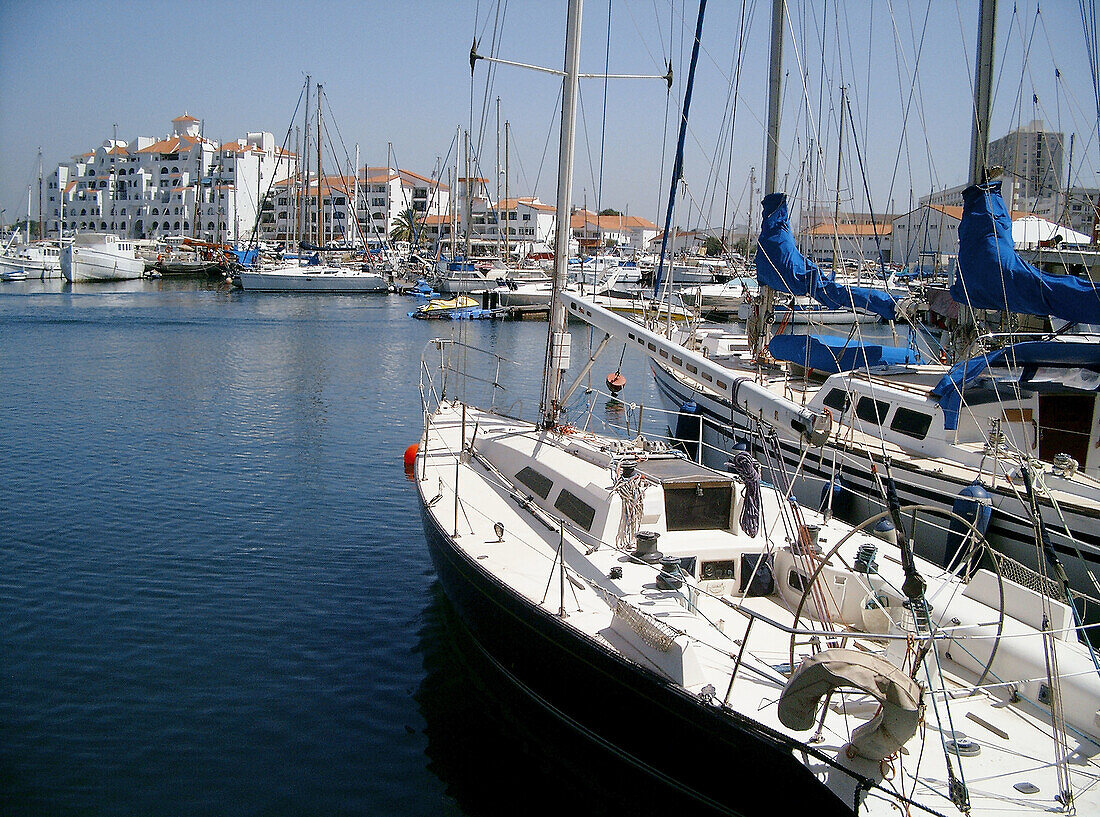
(397, 73)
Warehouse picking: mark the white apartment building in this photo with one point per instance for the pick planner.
(631, 235)
(383, 194)
(182, 184)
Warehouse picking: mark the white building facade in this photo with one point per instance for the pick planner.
(182, 184)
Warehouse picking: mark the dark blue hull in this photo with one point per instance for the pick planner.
(714, 762)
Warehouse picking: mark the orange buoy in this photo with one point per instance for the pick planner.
(410, 457)
(615, 383)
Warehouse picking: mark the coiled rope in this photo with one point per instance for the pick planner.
(744, 466)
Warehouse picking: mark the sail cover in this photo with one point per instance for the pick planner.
(782, 267)
(1034, 365)
(832, 354)
(992, 276)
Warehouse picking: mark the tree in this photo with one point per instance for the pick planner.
(713, 246)
(404, 226)
(610, 212)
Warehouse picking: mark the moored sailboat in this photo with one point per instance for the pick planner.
(702, 628)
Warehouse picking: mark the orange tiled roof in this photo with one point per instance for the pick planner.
(185, 118)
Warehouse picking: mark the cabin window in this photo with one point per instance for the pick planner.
(837, 399)
(663, 354)
(693, 506)
(797, 581)
(911, 423)
(870, 410)
(707, 377)
(722, 384)
(652, 347)
(575, 508)
(677, 361)
(538, 483)
(692, 368)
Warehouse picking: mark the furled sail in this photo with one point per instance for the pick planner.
(992, 276)
(830, 354)
(782, 267)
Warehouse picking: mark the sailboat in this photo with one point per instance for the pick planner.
(744, 653)
(314, 276)
(958, 439)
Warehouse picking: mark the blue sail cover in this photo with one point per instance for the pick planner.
(832, 354)
(782, 267)
(1023, 361)
(992, 276)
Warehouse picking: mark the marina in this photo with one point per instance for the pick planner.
(453, 483)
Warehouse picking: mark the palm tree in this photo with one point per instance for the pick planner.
(404, 226)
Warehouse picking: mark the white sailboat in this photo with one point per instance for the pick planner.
(746, 654)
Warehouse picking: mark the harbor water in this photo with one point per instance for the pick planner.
(216, 596)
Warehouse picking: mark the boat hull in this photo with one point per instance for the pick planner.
(84, 264)
(312, 282)
(714, 761)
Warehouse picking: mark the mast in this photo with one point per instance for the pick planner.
(678, 164)
(42, 234)
(320, 178)
(558, 337)
(759, 326)
(303, 220)
(983, 80)
(507, 226)
(839, 162)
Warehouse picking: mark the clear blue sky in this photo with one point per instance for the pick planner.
(399, 72)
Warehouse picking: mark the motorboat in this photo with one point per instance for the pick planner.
(100, 257)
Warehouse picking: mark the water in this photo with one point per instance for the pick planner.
(215, 595)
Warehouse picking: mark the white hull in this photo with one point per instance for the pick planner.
(34, 268)
(317, 279)
(83, 264)
(811, 316)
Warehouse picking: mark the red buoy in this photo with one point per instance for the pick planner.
(615, 383)
(410, 457)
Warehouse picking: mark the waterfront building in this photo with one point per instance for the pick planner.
(377, 195)
(181, 184)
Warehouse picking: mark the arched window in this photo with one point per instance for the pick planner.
(186, 226)
(164, 171)
(103, 225)
(177, 226)
(175, 170)
(91, 171)
(210, 226)
(83, 212)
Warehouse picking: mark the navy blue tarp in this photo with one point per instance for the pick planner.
(833, 354)
(992, 276)
(782, 267)
(1023, 360)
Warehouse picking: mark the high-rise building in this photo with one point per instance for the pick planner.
(1032, 157)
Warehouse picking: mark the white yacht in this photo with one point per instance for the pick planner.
(100, 257)
(319, 278)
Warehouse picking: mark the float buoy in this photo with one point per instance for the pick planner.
(410, 458)
(615, 383)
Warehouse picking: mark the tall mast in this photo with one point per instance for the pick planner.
(983, 80)
(303, 226)
(558, 338)
(507, 226)
(469, 211)
(320, 177)
(761, 320)
(839, 162)
(42, 235)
